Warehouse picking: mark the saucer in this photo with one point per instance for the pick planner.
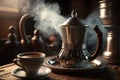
(19, 72)
(94, 65)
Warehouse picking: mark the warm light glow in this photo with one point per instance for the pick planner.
(9, 6)
(108, 42)
(107, 53)
(103, 5)
(8, 9)
(103, 13)
(67, 34)
(10, 3)
(97, 62)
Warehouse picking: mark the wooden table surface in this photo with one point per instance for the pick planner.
(112, 72)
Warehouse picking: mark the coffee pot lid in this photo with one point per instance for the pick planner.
(74, 20)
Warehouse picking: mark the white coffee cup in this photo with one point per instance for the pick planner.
(30, 62)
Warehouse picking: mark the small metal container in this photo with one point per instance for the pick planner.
(109, 11)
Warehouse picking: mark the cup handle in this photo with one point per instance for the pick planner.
(16, 62)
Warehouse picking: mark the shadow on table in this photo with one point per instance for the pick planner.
(45, 78)
(103, 74)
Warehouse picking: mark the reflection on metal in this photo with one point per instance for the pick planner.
(109, 38)
(107, 53)
(74, 51)
(97, 62)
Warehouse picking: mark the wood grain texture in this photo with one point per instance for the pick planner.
(111, 73)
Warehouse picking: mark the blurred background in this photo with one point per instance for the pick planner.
(11, 12)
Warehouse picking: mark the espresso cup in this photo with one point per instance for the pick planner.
(30, 62)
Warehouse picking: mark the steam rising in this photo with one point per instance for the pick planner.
(92, 20)
(25, 6)
(47, 16)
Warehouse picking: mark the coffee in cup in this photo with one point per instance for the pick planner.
(30, 62)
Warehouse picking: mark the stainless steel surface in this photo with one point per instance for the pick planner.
(112, 50)
(74, 50)
(93, 66)
(109, 11)
(110, 14)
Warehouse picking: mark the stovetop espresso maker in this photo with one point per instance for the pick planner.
(74, 51)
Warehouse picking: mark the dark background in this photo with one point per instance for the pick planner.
(8, 18)
(83, 7)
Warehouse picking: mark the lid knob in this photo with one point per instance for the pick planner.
(74, 13)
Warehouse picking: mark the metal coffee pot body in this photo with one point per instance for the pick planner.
(74, 50)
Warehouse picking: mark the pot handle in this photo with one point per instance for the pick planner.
(99, 43)
(16, 61)
(23, 35)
